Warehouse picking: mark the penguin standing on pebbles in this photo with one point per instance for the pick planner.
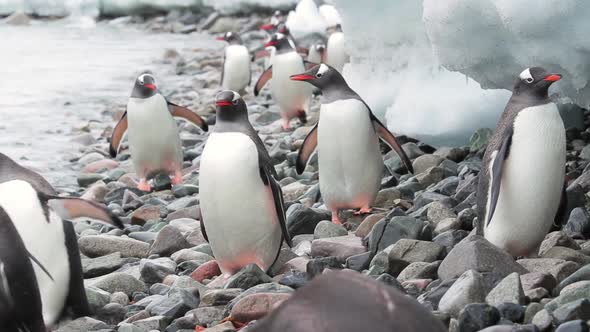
(37, 293)
(347, 136)
(235, 73)
(293, 98)
(243, 216)
(523, 169)
(154, 141)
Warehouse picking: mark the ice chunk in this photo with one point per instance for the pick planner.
(433, 65)
(306, 19)
(330, 15)
(237, 6)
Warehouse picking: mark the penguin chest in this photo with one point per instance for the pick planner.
(290, 95)
(532, 180)
(45, 240)
(154, 142)
(238, 209)
(350, 162)
(236, 70)
(336, 51)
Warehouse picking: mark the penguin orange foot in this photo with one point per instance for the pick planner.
(335, 218)
(364, 210)
(144, 185)
(177, 179)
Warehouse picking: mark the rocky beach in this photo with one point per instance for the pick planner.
(159, 273)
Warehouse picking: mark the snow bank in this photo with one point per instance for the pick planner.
(235, 6)
(432, 66)
(306, 19)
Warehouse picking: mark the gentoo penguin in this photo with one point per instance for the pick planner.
(235, 74)
(336, 55)
(10, 170)
(269, 52)
(20, 301)
(293, 98)
(242, 208)
(523, 167)
(154, 142)
(37, 220)
(346, 301)
(347, 135)
(276, 19)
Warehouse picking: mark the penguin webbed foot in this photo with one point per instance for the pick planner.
(335, 218)
(362, 211)
(177, 178)
(143, 185)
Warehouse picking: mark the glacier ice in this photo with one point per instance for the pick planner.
(306, 19)
(437, 67)
(234, 6)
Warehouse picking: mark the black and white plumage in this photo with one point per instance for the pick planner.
(347, 136)
(241, 203)
(235, 73)
(521, 181)
(51, 243)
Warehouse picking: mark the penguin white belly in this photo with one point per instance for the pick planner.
(154, 142)
(314, 56)
(236, 70)
(532, 180)
(336, 51)
(291, 96)
(238, 209)
(45, 241)
(350, 161)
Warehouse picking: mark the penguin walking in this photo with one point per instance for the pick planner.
(154, 141)
(336, 55)
(347, 136)
(242, 209)
(293, 98)
(35, 222)
(235, 74)
(327, 302)
(522, 175)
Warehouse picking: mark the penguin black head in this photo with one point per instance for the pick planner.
(231, 37)
(145, 86)
(282, 28)
(535, 81)
(320, 47)
(321, 76)
(230, 106)
(280, 42)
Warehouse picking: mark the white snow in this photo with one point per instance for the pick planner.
(306, 19)
(330, 15)
(425, 62)
(234, 6)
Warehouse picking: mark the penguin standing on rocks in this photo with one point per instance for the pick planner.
(293, 98)
(336, 55)
(154, 141)
(242, 209)
(523, 169)
(347, 136)
(52, 281)
(347, 301)
(235, 73)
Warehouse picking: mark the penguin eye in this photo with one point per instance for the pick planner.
(235, 102)
(140, 82)
(318, 75)
(529, 80)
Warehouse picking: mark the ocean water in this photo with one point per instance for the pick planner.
(56, 77)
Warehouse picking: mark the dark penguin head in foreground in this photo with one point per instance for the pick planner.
(145, 86)
(535, 81)
(280, 42)
(348, 302)
(230, 107)
(321, 76)
(231, 37)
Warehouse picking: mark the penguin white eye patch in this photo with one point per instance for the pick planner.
(142, 77)
(526, 76)
(322, 70)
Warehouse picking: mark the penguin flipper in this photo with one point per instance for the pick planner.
(185, 113)
(202, 224)
(265, 77)
(70, 208)
(307, 148)
(117, 136)
(390, 139)
(308, 64)
(496, 173)
(277, 195)
(34, 259)
(76, 301)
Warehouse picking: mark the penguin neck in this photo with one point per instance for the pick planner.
(231, 122)
(336, 92)
(530, 98)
